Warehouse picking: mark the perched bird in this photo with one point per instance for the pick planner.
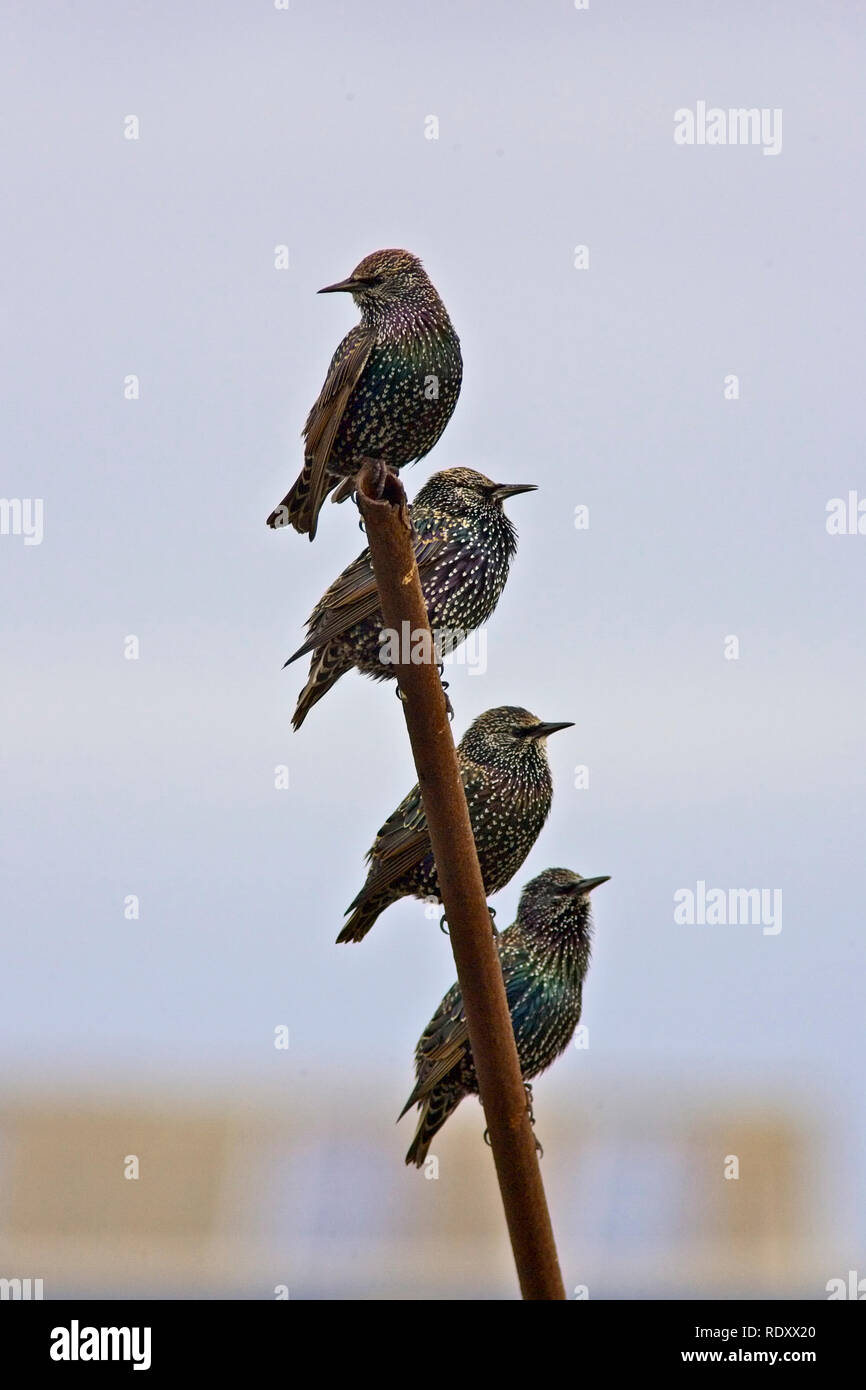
(544, 957)
(464, 545)
(391, 386)
(506, 776)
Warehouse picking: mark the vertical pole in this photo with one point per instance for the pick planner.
(491, 1037)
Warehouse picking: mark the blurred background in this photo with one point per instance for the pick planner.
(176, 863)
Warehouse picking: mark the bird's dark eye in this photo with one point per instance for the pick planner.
(370, 281)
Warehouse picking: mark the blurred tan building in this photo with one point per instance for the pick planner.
(253, 1195)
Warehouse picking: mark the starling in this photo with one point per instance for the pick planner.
(503, 763)
(391, 386)
(544, 957)
(464, 545)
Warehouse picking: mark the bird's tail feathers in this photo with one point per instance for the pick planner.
(326, 668)
(364, 913)
(434, 1112)
(301, 505)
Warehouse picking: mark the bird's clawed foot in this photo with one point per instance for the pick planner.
(353, 495)
(528, 1089)
(538, 1149)
(443, 924)
(449, 708)
(531, 1113)
(492, 911)
(379, 473)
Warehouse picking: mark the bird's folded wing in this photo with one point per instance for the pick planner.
(442, 1047)
(402, 843)
(323, 421)
(446, 1040)
(404, 839)
(354, 596)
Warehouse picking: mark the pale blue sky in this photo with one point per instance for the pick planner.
(603, 386)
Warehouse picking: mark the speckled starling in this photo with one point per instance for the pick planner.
(464, 545)
(506, 776)
(545, 957)
(391, 386)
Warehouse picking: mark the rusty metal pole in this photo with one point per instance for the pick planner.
(491, 1036)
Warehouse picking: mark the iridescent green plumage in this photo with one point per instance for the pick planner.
(390, 390)
(545, 957)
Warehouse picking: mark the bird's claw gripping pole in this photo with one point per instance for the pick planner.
(382, 502)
